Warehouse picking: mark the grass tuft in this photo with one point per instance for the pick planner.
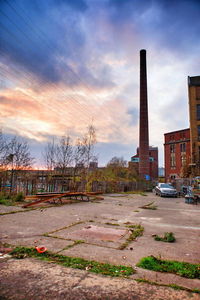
(183, 269)
(112, 224)
(168, 237)
(136, 231)
(149, 206)
(74, 262)
(174, 286)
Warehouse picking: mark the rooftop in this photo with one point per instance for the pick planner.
(194, 81)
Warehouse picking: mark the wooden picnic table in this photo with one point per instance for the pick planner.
(44, 197)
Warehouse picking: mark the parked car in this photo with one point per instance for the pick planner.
(165, 189)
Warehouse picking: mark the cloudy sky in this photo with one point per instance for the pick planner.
(65, 64)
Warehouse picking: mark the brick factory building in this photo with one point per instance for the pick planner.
(177, 153)
(153, 162)
(182, 147)
(194, 109)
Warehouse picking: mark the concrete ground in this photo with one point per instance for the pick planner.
(102, 225)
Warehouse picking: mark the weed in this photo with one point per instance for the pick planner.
(19, 197)
(136, 231)
(75, 262)
(112, 224)
(168, 237)
(134, 192)
(149, 206)
(183, 269)
(174, 286)
(9, 200)
(77, 242)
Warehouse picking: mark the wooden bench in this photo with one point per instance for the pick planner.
(44, 197)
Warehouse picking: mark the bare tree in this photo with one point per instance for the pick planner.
(78, 159)
(2, 149)
(64, 158)
(64, 153)
(49, 155)
(18, 156)
(89, 140)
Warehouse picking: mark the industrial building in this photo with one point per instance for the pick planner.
(182, 147)
(153, 162)
(177, 153)
(194, 110)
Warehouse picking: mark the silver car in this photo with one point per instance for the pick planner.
(165, 189)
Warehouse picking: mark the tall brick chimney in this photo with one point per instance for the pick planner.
(144, 127)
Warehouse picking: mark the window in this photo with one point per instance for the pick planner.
(198, 132)
(172, 148)
(199, 153)
(183, 160)
(182, 135)
(183, 147)
(172, 160)
(198, 111)
(198, 92)
(135, 159)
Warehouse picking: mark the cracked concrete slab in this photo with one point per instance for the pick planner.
(32, 279)
(62, 223)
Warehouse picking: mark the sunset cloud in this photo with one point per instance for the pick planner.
(66, 64)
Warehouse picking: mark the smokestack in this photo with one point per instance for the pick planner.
(144, 127)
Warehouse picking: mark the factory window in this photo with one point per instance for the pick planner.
(198, 131)
(172, 148)
(198, 92)
(172, 160)
(199, 153)
(182, 134)
(183, 160)
(183, 147)
(198, 111)
(135, 159)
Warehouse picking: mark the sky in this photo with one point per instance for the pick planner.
(67, 64)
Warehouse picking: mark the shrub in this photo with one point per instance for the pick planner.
(19, 197)
(168, 237)
(183, 269)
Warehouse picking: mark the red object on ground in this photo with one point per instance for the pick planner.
(41, 249)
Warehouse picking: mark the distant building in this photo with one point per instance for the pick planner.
(194, 109)
(153, 162)
(93, 165)
(177, 153)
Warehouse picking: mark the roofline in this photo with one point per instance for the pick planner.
(177, 131)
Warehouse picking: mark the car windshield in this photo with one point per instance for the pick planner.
(165, 185)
